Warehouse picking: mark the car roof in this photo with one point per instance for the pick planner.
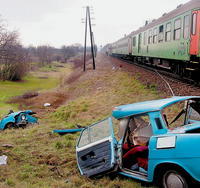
(147, 106)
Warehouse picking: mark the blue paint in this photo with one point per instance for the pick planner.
(65, 131)
(113, 143)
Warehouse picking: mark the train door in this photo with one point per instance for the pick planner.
(195, 33)
(139, 42)
(129, 46)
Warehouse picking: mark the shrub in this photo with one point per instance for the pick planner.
(13, 71)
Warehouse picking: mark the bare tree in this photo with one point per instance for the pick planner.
(13, 56)
(45, 54)
(67, 52)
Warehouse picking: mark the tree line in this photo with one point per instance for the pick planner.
(15, 59)
(46, 54)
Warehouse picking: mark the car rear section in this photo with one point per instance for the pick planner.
(178, 151)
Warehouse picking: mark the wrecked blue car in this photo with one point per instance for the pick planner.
(18, 119)
(154, 141)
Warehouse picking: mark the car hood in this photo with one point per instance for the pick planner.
(190, 128)
(13, 114)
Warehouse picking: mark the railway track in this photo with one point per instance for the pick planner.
(164, 72)
(178, 85)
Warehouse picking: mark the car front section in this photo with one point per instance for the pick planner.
(18, 119)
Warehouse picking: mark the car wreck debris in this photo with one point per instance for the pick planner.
(3, 160)
(18, 119)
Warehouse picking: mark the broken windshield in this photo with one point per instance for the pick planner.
(95, 133)
(175, 115)
(182, 113)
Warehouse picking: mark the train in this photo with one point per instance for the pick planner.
(171, 42)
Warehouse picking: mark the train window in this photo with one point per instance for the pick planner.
(160, 35)
(150, 37)
(155, 35)
(134, 41)
(186, 27)
(168, 32)
(177, 29)
(194, 21)
(145, 38)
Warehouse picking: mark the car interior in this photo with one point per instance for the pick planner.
(135, 144)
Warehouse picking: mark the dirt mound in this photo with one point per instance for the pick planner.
(36, 103)
(27, 95)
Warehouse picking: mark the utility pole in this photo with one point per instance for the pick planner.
(88, 19)
(85, 45)
(91, 39)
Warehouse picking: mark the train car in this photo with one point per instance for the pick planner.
(121, 47)
(172, 41)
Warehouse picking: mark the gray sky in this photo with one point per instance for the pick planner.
(58, 22)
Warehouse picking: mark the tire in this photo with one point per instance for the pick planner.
(174, 179)
(9, 125)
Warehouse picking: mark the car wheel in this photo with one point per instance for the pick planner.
(9, 125)
(173, 178)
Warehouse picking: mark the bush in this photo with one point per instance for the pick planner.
(12, 72)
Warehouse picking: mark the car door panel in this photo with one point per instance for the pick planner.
(95, 159)
(97, 154)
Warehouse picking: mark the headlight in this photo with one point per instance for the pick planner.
(23, 117)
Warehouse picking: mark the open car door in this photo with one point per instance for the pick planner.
(95, 149)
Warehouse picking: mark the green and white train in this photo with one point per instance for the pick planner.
(171, 41)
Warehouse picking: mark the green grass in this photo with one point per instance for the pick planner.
(93, 105)
(10, 89)
(53, 67)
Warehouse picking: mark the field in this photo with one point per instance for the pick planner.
(40, 158)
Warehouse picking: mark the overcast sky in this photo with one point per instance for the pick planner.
(58, 22)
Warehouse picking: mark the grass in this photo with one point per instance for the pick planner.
(53, 67)
(30, 83)
(91, 106)
(40, 158)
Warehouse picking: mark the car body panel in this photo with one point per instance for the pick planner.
(66, 131)
(185, 154)
(147, 106)
(6, 120)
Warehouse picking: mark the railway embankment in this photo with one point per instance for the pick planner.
(160, 82)
(39, 158)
